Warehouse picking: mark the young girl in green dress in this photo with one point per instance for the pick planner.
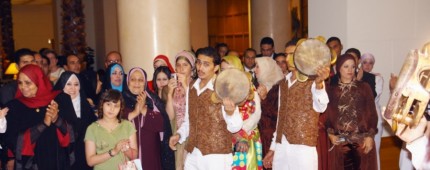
(110, 140)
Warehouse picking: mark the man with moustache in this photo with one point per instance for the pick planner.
(297, 129)
(208, 126)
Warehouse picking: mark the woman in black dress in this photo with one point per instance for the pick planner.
(70, 84)
(38, 132)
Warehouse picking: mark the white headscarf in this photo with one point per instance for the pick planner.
(269, 72)
(76, 101)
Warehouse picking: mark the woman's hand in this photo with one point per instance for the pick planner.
(262, 91)
(47, 120)
(142, 103)
(3, 112)
(171, 86)
(121, 146)
(268, 159)
(53, 110)
(334, 139)
(10, 164)
(367, 144)
(182, 80)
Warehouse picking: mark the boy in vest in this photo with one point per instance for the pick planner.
(208, 126)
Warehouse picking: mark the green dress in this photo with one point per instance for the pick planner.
(105, 141)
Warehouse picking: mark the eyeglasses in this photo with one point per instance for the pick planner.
(112, 61)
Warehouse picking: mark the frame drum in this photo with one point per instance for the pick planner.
(234, 84)
(310, 55)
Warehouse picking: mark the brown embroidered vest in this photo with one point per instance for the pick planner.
(208, 129)
(298, 121)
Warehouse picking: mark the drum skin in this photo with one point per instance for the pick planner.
(310, 55)
(232, 83)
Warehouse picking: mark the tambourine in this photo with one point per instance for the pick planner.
(310, 55)
(234, 84)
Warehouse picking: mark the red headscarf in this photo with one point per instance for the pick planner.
(166, 60)
(44, 94)
(342, 59)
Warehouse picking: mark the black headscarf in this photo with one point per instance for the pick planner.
(62, 81)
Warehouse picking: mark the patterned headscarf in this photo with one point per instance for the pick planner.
(234, 61)
(190, 57)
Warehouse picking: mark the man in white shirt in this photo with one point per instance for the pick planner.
(208, 126)
(294, 141)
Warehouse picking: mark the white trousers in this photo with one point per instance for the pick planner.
(294, 157)
(405, 159)
(377, 138)
(196, 161)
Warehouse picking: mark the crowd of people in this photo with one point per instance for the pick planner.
(63, 115)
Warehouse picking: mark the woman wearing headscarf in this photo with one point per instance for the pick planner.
(161, 79)
(160, 60)
(38, 132)
(148, 114)
(114, 78)
(367, 63)
(176, 98)
(268, 75)
(84, 115)
(351, 120)
(247, 142)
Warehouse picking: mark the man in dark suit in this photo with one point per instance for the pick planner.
(267, 47)
(22, 57)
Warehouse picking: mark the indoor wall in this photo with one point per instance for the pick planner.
(228, 22)
(33, 25)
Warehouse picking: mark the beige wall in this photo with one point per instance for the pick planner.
(32, 26)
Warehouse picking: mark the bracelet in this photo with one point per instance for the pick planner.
(110, 153)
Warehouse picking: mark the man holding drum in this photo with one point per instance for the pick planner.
(208, 126)
(300, 102)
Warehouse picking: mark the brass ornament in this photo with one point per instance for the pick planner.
(410, 92)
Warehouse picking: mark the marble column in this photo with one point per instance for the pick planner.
(270, 18)
(148, 28)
